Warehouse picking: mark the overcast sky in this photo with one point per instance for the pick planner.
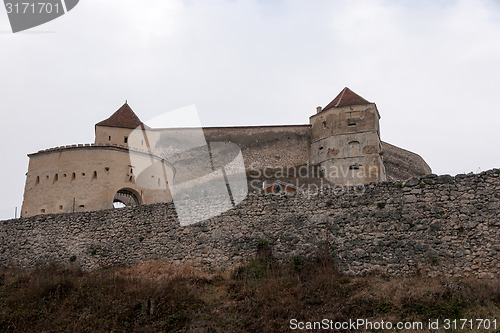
(432, 68)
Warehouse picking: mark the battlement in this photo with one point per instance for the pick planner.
(92, 146)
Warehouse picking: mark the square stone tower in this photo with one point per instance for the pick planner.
(346, 140)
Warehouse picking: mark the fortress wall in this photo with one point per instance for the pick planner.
(267, 146)
(289, 146)
(403, 164)
(433, 225)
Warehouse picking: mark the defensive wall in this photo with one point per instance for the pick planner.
(289, 146)
(433, 225)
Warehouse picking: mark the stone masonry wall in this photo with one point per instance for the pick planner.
(433, 225)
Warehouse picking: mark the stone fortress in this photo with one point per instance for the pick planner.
(405, 221)
(342, 141)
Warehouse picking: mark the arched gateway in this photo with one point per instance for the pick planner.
(126, 197)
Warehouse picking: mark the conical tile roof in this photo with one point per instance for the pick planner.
(345, 98)
(124, 117)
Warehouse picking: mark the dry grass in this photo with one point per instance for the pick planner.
(261, 296)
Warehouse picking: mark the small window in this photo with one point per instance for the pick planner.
(73, 176)
(82, 206)
(109, 138)
(56, 178)
(60, 207)
(324, 124)
(94, 176)
(65, 175)
(83, 174)
(42, 210)
(106, 168)
(37, 180)
(131, 170)
(125, 139)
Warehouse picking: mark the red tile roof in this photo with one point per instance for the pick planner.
(124, 117)
(345, 98)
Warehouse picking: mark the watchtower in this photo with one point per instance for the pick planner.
(346, 140)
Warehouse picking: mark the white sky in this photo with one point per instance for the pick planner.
(432, 67)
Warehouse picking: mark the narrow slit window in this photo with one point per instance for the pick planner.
(73, 176)
(37, 180)
(125, 139)
(56, 178)
(94, 176)
(109, 138)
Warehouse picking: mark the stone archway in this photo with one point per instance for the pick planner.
(125, 198)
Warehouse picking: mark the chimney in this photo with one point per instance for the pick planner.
(318, 109)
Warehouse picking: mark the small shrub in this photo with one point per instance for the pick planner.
(434, 260)
(450, 308)
(461, 229)
(141, 239)
(422, 185)
(400, 185)
(72, 259)
(381, 205)
(254, 269)
(298, 263)
(344, 280)
(93, 252)
(384, 307)
(329, 203)
(262, 242)
(264, 250)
